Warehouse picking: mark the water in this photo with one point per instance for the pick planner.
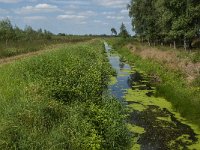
(163, 129)
(123, 74)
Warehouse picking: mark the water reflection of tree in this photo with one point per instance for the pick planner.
(121, 65)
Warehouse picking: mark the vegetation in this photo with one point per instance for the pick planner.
(172, 83)
(123, 32)
(58, 100)
(163, 21)
(14, 41)
(114, 31)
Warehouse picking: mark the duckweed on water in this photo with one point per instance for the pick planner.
(136, 131)
(158, 113)
(113, 80)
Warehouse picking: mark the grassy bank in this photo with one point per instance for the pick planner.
(13, 48)
(58, 101)
(173, 84)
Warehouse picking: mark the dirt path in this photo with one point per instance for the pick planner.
(8, 60)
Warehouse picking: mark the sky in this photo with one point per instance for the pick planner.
(68, 16)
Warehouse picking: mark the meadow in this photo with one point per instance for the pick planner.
(59, 100)
(22, 46)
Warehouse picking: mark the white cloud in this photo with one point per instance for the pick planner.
(35, 18)
(112, 3)
(15, 1)
(124, 11)
(105, 23)
(97, 21)
(45, 6)
(3, 11)
(88, 13)
(71, 2)
(39, 8)
(83, 22)
(115, 17)
(9, 1)
(108, 12)
(72, 17)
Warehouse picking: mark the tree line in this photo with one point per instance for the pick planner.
(8, 33)
(174, 22)
(122, 33)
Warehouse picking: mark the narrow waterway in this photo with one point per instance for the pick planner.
(153, 122)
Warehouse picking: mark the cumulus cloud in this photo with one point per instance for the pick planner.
(112, 3)
(97, 21)
(39, 8)
(35, 18)
(9, 1)
(74, 15)
(124, 11)
(108, 12)
(72, 2)
(79, 17)
(115, 17)
(88, 13)
(3, 11)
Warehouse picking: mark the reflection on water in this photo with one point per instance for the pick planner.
(123, 74)
(162, 129)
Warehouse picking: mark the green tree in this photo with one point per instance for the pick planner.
(123, 32)
(6, 30)
(166, 21)
(114, 32)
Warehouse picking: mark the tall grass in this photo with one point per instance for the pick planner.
(185, 98)
(16, 47)
(58, 101)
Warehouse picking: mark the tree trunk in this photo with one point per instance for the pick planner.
(149, 42)
(185, 44)
(6, 42)
(174, 44)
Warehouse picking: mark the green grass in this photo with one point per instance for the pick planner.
(25, 46)
(58, 100)
(185, 98)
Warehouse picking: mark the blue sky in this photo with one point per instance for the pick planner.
(68, 16)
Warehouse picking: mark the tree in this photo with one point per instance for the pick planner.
(123, 32)
(176, 21)
(6, 30)
(114, 32)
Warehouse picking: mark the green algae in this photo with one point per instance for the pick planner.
(137, 131)
(138, 107)
(122, 75)
(181, 139)
(140, 97)
(168, 119)
(113, 80)
(127, 71)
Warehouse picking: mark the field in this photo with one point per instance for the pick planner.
(59, 100)
(16, 47)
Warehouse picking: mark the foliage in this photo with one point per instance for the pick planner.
(123, 32)
(14, 41)
(58, 101)
(114, 31)
(184, 97)
(165, 21)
